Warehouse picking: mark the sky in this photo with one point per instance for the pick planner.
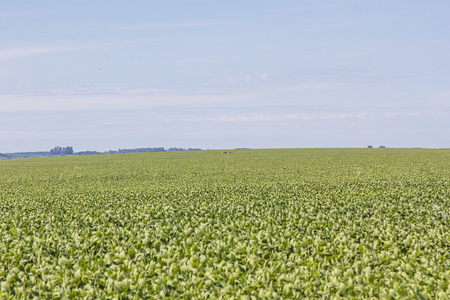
(107, 75)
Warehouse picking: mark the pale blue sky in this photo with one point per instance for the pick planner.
(101, 75)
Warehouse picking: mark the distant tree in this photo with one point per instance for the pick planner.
(56, 150)
(138, 150)
(62, 150)
(370, 146)
(67, 150)
(382, 146)
(88, 153)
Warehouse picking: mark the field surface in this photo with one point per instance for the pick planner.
(253, 224)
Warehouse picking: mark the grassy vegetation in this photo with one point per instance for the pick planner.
(293, 223)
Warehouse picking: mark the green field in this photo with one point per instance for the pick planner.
(275, 224)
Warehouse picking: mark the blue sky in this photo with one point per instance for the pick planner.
(101, 75)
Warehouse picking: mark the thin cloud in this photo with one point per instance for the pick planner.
(397, 114)
(118, 101)
(104, 123)
(356, 115)
(277, 118)
(36, 51)
(93, 91)
(344, 4)
(239, 79)
(139, 27)
(29, 52)
(327, 116)
(242, 118)
(304, 117)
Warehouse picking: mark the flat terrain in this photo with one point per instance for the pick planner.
(291, 223)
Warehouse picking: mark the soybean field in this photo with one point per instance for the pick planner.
(250, 224)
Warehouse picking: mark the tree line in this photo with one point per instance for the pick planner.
(62, 151)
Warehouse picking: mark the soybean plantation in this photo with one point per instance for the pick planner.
(250, 224)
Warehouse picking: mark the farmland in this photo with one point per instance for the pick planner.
(278, 224)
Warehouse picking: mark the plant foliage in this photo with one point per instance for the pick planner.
(275, 224)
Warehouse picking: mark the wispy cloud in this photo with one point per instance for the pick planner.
(238, 118)
(344, 4)
(304, 117)
(24, 52)
(83, 91)
(238, 79)
(28, 52)
(277, 118)
(314, 6)
(400, 114)
(104, 123)
(138, 27)
(108, 100)
(328, 116)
